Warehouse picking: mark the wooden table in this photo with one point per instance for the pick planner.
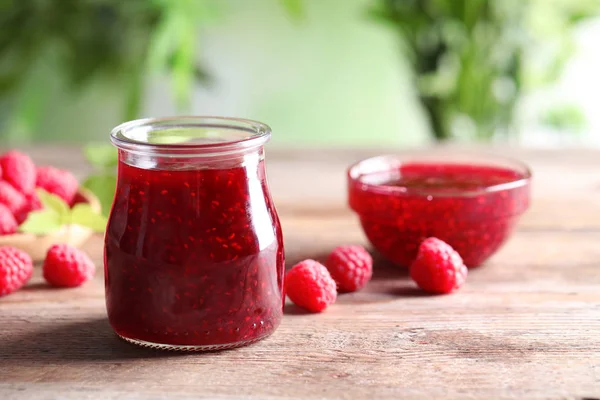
(527, 325)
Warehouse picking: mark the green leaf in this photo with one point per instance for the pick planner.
(293, 7)
(54, 215)
(103, 185)
(183, 68)
(565, 118)
(101, 155)
(133, 97)
(161, 41)
(82, 214)
(41, 222)
(29, 103)
(56, 204)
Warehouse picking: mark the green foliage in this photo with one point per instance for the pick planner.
(172, 47)
(101, 156)
(41, 223)
(83, 40)
(82, 214)
(293, 7)
(56, 213)
(103, 182)
(472, 58)
(51, 202)
(121, 42)
(103, 185)
(565, 118)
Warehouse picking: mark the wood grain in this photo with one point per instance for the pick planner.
(527, 325)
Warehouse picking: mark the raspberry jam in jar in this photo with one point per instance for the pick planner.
(193, 248)
(471, 203)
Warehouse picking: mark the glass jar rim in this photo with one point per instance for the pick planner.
(195, 135)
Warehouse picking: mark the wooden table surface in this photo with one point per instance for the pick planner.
(526, 325)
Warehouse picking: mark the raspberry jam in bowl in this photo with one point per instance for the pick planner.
(193, 248)
(470, 202)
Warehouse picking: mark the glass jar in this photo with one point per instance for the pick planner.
(193, 249)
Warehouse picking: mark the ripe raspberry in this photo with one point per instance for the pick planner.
(18, 170)
(16, 268)
(58, 181)
(8, 224)
(67, 266)
(79, 199)
(309, 285)
(438, 268)
(351, 267)
(11, 197)
(32, 203)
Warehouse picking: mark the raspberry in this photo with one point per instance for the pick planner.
(67, 266)
(32, 203)
(438, 268)
(351, 267)
(309, 285)
(16, 268)
(78, 199)
(57, 181)
(18, 170)
(8, 224)
(11, 197)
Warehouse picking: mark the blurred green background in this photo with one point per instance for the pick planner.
(320, 72)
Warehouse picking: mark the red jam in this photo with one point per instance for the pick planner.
(194, 255)
(472, 207)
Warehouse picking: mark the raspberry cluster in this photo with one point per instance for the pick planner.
(19, 177)
(313, 286)
(65, 265)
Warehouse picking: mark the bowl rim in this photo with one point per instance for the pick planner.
(388, 162)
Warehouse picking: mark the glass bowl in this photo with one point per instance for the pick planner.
(472, 202)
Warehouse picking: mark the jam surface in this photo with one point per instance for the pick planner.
(456, 203)
(194, 257)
